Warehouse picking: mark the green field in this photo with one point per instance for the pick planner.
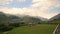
(36, 29)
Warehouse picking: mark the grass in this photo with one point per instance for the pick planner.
(37, 29)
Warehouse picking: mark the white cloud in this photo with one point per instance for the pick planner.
(21, 0)
(33, 10)
(45, 3)
(3, 2)
(27, 11)
(39, 0)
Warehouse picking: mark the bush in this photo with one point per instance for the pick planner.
(14, 24)
(5, 28)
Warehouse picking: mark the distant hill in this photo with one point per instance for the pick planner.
(3, 18)
(42, 19)
(22, 17)
(55, 17)
(25, 18)
(12, 16)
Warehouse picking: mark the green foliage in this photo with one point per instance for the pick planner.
(14, 24)
(4, 22)
(5, 28)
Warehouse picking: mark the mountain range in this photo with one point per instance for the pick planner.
(18, 16)
(56, 17)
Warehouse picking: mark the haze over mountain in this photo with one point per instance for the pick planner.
(42, 18)
(22, 16)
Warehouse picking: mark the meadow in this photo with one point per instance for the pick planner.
(36, 29)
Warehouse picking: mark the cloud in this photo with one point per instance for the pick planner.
(43, 5)
(3, 2)
(46, 5)
(39, 0)
(21, 0)
(27, 11)
(53, 9)
(38, 8)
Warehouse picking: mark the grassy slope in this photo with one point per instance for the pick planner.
(56, 21)
(37, 29)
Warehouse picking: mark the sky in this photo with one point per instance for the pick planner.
(42, 8)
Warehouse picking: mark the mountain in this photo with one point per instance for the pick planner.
(25, 17)
(12, 16)
(3, 18)
(42, 19)
(55, 17)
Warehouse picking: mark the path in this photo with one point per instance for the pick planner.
(58, 30)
